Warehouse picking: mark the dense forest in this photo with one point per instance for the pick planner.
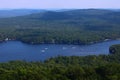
(84, 26)
(102, 67)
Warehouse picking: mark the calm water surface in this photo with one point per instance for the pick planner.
(16, 50)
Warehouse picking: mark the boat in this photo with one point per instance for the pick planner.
(42, 50)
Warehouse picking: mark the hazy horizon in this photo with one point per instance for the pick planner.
(61, 4)
(56, 8)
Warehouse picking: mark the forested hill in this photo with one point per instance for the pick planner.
(18, 12)
(79, 26)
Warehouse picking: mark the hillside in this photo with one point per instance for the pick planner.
(82, 26)
(18, 12)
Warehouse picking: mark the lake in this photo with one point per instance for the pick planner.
(16, 50)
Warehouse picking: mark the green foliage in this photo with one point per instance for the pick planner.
(67, 27)
(115, 49)
(103, 67)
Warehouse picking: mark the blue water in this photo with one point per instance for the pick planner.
(16, 50)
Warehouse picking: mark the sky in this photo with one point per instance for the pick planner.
(59, 4)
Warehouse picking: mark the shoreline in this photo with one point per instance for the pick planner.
(32, 43)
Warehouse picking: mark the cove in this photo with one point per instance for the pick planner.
(16, 50)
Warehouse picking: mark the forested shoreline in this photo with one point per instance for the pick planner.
(67, 27)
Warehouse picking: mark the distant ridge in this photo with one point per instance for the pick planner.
(18, 12)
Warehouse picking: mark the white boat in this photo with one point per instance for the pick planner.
(64, 48)
(73, 47)
(46, 48)
(42, 50)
